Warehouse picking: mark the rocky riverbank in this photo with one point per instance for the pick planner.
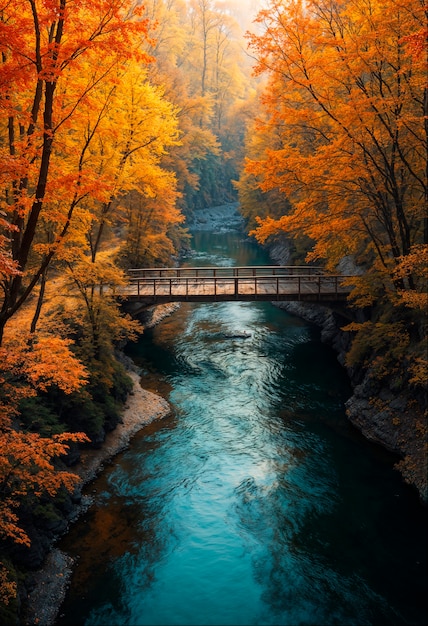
(49, 584)
(217, 219)
(390, 418)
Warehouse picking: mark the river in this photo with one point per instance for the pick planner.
(255, 502)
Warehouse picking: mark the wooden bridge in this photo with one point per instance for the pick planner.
(215, 284)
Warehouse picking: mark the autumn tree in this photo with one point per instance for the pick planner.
(349, 100)
(253, 200)
(44, 44)
(115, 148)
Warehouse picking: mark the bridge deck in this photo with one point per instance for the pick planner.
(205, 284)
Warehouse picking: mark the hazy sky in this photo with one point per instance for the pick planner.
(245, 10)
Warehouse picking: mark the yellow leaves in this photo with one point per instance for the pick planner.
(122, 126)
(414, 267)
(366, 290)
(354, 327)
(413, 299)
(414, 263)
(96, 275)
(91, 299)
(50, 362)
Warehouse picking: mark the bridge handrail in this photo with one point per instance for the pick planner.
(258, 277)
(208, 271)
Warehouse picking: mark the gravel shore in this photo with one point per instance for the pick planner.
(51, 582)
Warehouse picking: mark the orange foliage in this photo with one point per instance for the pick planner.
(27, 468)
(344, 111)
(30, 362)
(54, 55)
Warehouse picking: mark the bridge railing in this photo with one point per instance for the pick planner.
(233, 271)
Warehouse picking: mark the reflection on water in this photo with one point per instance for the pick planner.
(255, 502)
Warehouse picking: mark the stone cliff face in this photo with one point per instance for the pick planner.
(392, 419)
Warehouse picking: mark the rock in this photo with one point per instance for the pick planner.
(152, 315)
(219, 219)
(48, 590)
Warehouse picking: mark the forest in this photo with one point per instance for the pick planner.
(120, 119)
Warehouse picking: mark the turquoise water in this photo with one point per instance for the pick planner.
(255, 502)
